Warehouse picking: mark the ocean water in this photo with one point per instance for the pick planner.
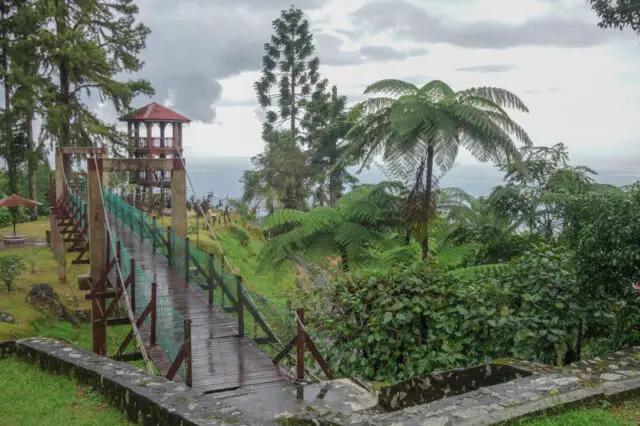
(222, 175)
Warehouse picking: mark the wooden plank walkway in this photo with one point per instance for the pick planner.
(222, 361)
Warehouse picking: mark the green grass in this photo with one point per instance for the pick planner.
(45, 271)
(33, 397)
(32, 230)
(242, 242)
(625, 414)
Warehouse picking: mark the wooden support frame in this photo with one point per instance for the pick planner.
(97, 172)
(184, 356)
(300, 341)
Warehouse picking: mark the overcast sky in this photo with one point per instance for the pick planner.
(580, 83)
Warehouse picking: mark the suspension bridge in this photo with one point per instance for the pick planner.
(191, 316)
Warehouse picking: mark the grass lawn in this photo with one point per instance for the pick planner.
(33, 397)
(45, 270)
(625, 414)
(32, 230)
(241, 242)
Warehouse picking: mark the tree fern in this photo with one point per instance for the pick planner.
(423, 128)
(322, 233)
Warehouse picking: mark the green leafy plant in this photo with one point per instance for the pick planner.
(11, 267)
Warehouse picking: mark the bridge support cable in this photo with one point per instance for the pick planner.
(112, 246)
(91, 283)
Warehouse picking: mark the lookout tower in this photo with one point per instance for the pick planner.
(161, 137)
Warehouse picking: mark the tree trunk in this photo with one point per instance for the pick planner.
(33, 158)
(344, 259)
(65, 89)
(6, 120)
(333, 185)
(292, 88)
(427, 197)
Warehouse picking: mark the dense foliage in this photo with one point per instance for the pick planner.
(393, 324)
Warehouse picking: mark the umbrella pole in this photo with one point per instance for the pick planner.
(13, 214)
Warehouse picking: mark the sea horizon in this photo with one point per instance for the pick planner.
(221, 175)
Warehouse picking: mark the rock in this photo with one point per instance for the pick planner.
(42, 296)
(566, 381)
(7, 317)
(611, 376)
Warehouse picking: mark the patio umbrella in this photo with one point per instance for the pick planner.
(13, 202)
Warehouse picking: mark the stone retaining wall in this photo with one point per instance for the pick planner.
(144, 398)
(151, 400)
(434, 386)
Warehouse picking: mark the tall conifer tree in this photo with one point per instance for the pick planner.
(289, 66)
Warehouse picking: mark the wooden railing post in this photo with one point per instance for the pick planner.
(153, 236)
(119, 280)
(300, 345)
(154, 312)
(187, 356)
(169, 256)
(240, 306)
(186, 259)
(211, 278)
(132, 283)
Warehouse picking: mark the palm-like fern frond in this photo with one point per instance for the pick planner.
(392, 87)
(452, 257)
(347, 231)
(479, 271)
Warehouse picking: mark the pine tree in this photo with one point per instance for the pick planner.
(89, 46)
(289, 65)
(326, 123)
(18, 22)
(278, 179)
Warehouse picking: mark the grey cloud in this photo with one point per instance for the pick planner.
(411, 22)
(387, 53)
(196, 43)
(488, 68)
(329, 51)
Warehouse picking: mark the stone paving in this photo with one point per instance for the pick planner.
(153, 400)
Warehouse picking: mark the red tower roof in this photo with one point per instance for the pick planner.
(154, 112)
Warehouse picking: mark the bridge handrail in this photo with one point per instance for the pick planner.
(267, 322)
(170, 323)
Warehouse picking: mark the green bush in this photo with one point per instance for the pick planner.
(10, 268)
(394, 324)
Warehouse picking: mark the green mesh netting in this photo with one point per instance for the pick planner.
(264, 319)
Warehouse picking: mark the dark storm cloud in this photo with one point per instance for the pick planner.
(488, 68)
(408, 21)
(195, 43)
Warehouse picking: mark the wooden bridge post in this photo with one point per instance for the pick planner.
(211, 278)
(300, 345)
(169, 256)
(187, 355)
(96, 254)
(59, 175)
(186, 259)
(132, 283)
(154, 237)
(179, 199)
(154, 312)
(240, 306)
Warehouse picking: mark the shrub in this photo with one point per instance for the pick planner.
(10, 268)
(390, 325)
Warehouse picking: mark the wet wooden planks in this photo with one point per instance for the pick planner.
(222, 361)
